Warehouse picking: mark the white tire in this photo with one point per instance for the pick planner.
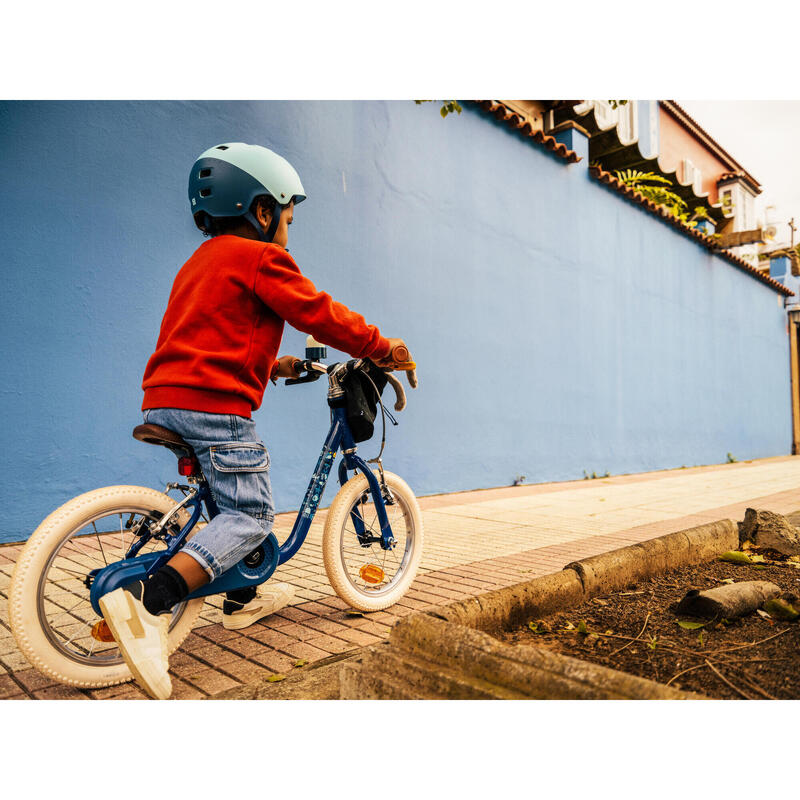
(346, 560)
(49, 609)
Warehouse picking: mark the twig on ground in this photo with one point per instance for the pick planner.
(750, 644)
(751, 684)
(646, 620)
(683, 672)
(727, 682)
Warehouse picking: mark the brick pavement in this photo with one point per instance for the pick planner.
(474, 542)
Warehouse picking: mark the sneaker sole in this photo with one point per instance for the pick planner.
(119, 605)
(239, 620)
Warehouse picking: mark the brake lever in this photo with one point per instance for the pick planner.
(309, 377)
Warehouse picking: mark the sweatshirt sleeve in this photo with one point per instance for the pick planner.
(293, 297)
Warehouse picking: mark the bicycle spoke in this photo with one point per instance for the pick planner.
(100, 543)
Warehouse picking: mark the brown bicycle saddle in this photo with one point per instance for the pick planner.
(155, 434)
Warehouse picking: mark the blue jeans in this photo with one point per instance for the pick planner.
(235, 463)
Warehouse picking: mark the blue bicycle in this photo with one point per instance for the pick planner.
(98, 541)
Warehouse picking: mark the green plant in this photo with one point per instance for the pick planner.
(448, 106)
(731, 459)
(653, 187)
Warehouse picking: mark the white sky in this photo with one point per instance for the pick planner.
(762, 136)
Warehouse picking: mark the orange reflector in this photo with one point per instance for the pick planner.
(371, 573)
(102, 632)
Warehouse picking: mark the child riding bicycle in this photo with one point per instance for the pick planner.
(216, 350)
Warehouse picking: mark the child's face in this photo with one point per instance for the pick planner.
(282, 234)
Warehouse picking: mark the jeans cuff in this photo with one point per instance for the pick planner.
(203, 558)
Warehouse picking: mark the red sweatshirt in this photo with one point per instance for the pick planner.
(222, 328)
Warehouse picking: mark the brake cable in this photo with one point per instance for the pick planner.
(384, 413)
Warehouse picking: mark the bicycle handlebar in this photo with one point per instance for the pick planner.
(314, 370)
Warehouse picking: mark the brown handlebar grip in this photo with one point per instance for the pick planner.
(400, 354)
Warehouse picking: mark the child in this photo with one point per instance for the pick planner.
(216, 350)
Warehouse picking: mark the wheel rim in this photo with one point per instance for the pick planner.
(394, 563)
(63, 600)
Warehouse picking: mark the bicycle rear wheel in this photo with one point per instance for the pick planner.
(364, 575)
(49, 609)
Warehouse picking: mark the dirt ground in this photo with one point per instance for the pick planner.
(636, 631)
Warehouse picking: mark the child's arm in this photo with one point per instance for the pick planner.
(282, 287)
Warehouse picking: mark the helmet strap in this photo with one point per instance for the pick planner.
(273, 225)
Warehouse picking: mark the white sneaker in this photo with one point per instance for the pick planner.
(141, 637)
(271, 597)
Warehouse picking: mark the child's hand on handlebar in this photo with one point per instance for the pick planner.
(287, 367)
(399, 356)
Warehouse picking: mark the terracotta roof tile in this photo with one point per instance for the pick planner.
(726, 176)
(707, 241)
(502, 113)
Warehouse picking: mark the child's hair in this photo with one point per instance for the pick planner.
(217, 226)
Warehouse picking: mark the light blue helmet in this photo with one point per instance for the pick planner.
(227, 178)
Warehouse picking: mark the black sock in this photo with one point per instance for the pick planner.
(164, 590)
(238, 598)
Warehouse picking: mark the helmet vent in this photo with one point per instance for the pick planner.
(205, 193)
(205, 173)
(222, 147)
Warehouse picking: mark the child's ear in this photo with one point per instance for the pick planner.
(263, 215)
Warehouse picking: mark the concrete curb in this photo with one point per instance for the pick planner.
(590, 577)
(446, 653)
(428, 658)
(612, 571)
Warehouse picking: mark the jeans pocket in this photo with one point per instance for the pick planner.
(240, 457)
(240, 480)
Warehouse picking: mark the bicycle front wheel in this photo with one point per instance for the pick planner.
(364, 575)
(50, 613)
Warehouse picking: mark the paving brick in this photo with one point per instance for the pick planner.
(212, 682)
(15, 662)
(334, 602)
(325, 625)
(110, 692)
(274, 661)
(183, 691)
(401, 611)
(274, 639)
(131, 693)
(331, 644)
(215, 654)
(386, 617)
(8, 686)
(245, 671)
(187, 667)
(32, 680)
(313, 607)
(294, 614)
(376, 629)
(299, 632)
(60, 692)
(412, 603)
(193, 642)
(306, 651)
(216, 633)
(246, 647)
(360, 637)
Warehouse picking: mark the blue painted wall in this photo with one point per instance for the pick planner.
(557, 327)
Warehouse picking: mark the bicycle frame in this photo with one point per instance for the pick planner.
(257, 566)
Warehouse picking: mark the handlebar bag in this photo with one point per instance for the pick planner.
(362, 400)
